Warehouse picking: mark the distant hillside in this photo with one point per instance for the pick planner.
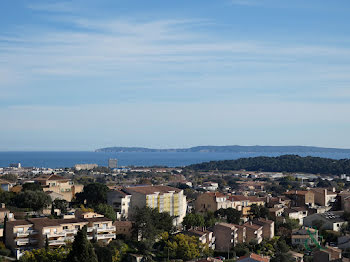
(285, 163)
(233, 149)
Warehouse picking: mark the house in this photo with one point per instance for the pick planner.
(254, 258)
(328, 254)
(120, 201)
(205, 237)
(268, 227)
(254, 232)
(5, 212)
(305, 235)
(344, 242)
(278, 202)
(276, 211)
(211, 201)
(6, 185)
(226, 236)
(123, 228)
(296, 213)
(22, 235)
(300, 198)
(330, 220)
(324, 197)
(298, 257)
(59, 185)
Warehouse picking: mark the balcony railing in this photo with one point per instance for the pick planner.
(26, 233)
(57, 242)
(101, 229)
(22, 241)
(105, 236)
(71, 231)
(57, 234)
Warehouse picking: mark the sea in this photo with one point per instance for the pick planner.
(170, 159)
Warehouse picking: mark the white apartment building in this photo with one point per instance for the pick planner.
(164, 198)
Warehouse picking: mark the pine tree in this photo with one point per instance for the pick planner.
(5, 223)
(82, 249)
(46, 243)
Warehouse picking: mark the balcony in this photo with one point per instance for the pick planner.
(56, 242)
(23, 241)
(90, 229)
(26, 233)
(69, 238)
(71, 231)
(57, 234)
(101, 229)
(105, 236)
(89, 237)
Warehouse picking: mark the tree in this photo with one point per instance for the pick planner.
(32, 187)
(35, 200)
(82, 249)
(43, 255)
(193, 220)
(107, 211)
(180, 246)
(149, 223)
(230, 214)
(93, 194)
(61, 204)
(258, 211)
(4, 230)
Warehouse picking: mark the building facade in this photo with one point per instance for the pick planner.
(22, 235)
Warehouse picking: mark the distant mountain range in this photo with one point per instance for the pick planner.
(233, 149)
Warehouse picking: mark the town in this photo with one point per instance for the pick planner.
(161, 213)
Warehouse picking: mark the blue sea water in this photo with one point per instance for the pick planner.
(171, 159)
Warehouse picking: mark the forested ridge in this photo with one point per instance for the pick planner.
(285, 163)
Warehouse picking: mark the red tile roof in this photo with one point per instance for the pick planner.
(254, 257)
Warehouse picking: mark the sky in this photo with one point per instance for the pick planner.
(83, 74)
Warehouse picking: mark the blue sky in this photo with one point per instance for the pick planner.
(79, 75)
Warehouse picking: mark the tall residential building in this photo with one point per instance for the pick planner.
(22, 235)
(112, 163)
(163, 198)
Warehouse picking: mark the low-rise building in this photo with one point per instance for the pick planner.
(296, 213)
(6, 185)
(123, 228)
(268, 227)
(254, 258)
(254, 232)
(205, 237)
(22, 235)
(63, 188)
(276, 211)
(226, 236)
(305, 235)
(327, 254)
(324, 196)
(300, 198)
(330, 220)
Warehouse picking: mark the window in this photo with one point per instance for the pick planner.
(65, 227)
